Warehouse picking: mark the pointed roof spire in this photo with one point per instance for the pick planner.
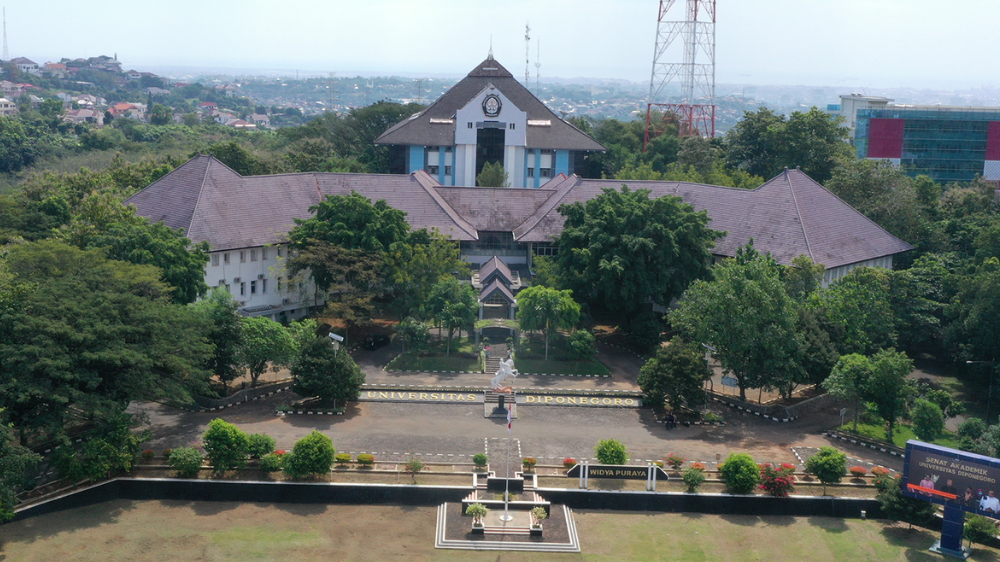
(490, 55)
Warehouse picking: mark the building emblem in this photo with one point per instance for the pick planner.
(492, 105)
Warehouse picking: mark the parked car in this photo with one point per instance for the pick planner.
(375, 342)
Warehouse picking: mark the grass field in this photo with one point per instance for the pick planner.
(901, 434)
(220, 531)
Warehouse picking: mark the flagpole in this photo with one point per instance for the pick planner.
(506, 486)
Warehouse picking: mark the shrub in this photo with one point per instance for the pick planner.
(776, 481)
(828, 465)
(693, 477)
(186, 461)
(477, 511)
(366, 459)
(166, 453)
(674, 460)
(313, 454)
(529, 463)
(788, 466)
(880, 471)
(979, 529)
(259, 444)
(569, 462)
(582, 344)
(539, 514)
(711, 417)
(928, 419)
(148, 454)
(883, 482)
(857, 471)
(226, 446)
(342, 458)
(270, 463)
(658, 463)
(611, 451)
(413, 466)
(479, 460)
(972, 428)
(740, 473)
(698, 465)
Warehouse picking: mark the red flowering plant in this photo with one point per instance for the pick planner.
(880, 471)
(776, 481)
(857, 471)
(279, 452)
(148, 454)
(674, 460)
(569, 462)
(788, 466)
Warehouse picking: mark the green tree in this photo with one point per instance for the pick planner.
(611, 451)
(582, 344)
(548, 310)
(697, 152)
(928, 420)
(160, 114)
(887, 387)
(676, 374)
(89, 334)
(186, 461)
(849, 380)
(241, 160)
(762, 143)
(352, 222)
(817, 351)
(740, 473)
(453, 305)
(979, 529)
(803, 277)
(746, 315)
(974, 330)
(493, 175)
(313, 454)
(16, 463)
(622, 249)
(417, 264)
(18, 149)
(828, 465)
(225, 333)
(226, 445)
(859, 305)
(897, 507)
(259, 444)
(266, 343)
(330, 374)
(411, 332)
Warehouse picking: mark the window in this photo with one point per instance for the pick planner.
(470, 124)
(263, 285)
(253, 255)
(279, 251)
(546, 172)
(225, 258)
(279, 284)
(215, 259)
(531, 172)
(243, 256)
(243, 288)
(433, 170)
(545, 249)
(253, 287)
(512, 126)
(447, 170)
(263, 254)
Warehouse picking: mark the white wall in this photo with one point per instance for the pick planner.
(264, 274)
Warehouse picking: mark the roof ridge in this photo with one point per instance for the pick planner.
(428, 183)
(798, 213)
(201, 189)
(545, 208)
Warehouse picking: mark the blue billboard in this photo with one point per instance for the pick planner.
(952, 478)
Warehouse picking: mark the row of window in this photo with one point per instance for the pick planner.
(433, 170)
(545, 173)
(259, 283)
(252, 253)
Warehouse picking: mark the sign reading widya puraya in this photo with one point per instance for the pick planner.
(618, 471)
(949, 476)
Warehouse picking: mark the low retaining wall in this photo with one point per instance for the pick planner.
(397, 494)
(245, 395)
(777, 412)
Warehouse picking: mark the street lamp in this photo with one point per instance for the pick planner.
(989, 395)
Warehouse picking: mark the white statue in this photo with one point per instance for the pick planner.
(506, 370)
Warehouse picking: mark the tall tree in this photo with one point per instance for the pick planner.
(90, 335)
(493, 175)
(746, 315)
(849, 380)
(621, 250)
(548, 310)
(763, 142)
(859, 304)
(675, 375)
(803, 277)
(325, 372)
(16, 462)
(417, 264)
(266, 343)
(887, 387)
(453, 305)
(225, 333)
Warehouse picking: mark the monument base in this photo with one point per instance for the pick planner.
(490, 411)
(964, 553)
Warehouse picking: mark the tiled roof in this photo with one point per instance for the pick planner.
(788, 216)
(495, 268)
(494, 287)
(420, 131)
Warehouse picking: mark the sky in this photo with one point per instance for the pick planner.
(850, 43)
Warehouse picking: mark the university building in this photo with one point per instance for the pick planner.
(946, 143)
(246, 220)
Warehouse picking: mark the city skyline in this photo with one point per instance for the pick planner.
(876, 44)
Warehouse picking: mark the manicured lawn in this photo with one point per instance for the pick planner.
(900, 434)
(122, 530)
(530, 358)
(407, 362)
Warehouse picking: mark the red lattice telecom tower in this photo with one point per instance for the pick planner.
(695, 114)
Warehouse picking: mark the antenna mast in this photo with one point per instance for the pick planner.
(538, 66)
(6, 54)
(527, 57)
(695, 114)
